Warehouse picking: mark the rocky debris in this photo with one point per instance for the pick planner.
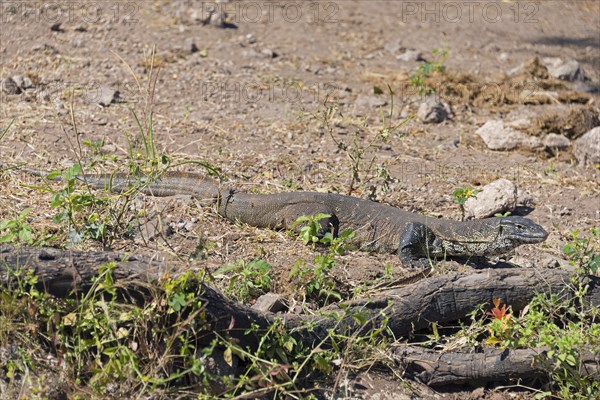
(56, 27)
(16, 84)
(497, 197)
(250, 38)
(394, 46)
(533, 68)
(153, 227)
(190, 46)
(105, 96)
(23, 82)
(545, 261)
(264, 53)
(402, 53)
(212, 14)
(524, 199)
(566, 70)
(434, 111)
(554, 142)
(45, 48)
(410, 55)
(365, 103)
(497, 136)
(9, 86)
(270, 302)
(587, 148)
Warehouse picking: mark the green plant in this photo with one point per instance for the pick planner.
(584, 252)
(248, 280)
(5, 130)
(563, 327)
(94, 145)
(17, 229)
(461, 195)
(418, 77)
(69, 202)
(362, 155)
(315, 279)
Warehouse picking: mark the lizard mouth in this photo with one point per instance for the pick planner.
(532, 236)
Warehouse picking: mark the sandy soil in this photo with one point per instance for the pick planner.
(250, 99)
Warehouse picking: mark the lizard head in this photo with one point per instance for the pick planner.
(522, 230)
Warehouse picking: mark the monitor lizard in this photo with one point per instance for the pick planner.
(417, 239)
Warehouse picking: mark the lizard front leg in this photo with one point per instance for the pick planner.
(418, 245)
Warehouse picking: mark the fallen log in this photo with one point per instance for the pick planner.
(435, 368)
(439, 299)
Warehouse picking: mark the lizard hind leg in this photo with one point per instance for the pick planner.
(331, 224)
(416, 246)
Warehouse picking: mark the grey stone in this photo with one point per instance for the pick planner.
(23, 82)
(9, 86)
(434, 111)
(27, 83)
(524, 198)
(410, 55)
(553, 141)
(105, 96)
(250, 38)
(19, 80)
(270, 302)
(268, 53)
(264, 53)
(394, 46)
(586, 87)
(566, 70)
(497, 197)
(497, 136)
(365, 103)
(587, 148)
(46, 48)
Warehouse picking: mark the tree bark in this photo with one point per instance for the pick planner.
(436, 368)
(438, 299)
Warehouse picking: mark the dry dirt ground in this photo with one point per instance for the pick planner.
(251, 98)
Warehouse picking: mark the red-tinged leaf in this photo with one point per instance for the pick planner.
(232, 323)
(497, 302)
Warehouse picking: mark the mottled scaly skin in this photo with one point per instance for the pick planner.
(378, 227)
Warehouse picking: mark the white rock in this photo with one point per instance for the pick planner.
(497, 197)
(568, 70)
(497, 136)
(554, 141)
(587, 147)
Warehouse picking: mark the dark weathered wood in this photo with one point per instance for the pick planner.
(436, 368)
(444, 298)
(60, 272)
(439, 299)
